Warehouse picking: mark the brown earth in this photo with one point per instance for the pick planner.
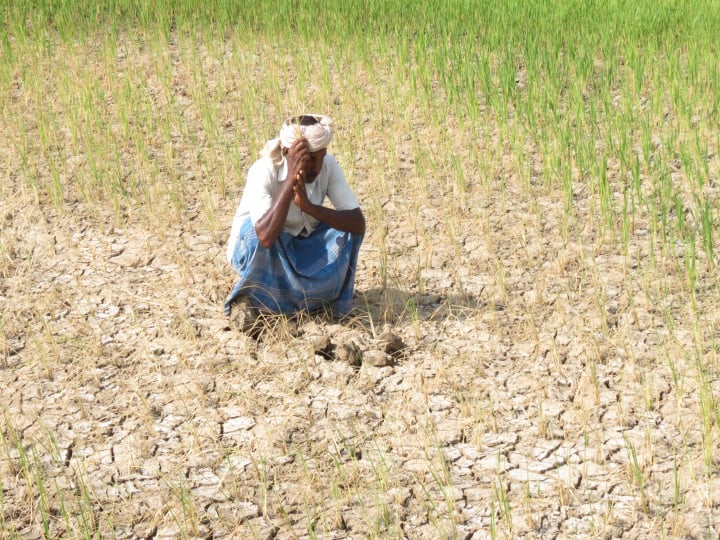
(508, 371)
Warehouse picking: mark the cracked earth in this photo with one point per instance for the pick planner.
(509, 371)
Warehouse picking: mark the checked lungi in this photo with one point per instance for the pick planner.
(296, 273)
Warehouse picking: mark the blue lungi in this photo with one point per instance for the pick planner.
(296, 273)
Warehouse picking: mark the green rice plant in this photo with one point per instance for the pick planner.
(709, 410)
(636, 473)
(707, 227)
(84, 511)
(605, 193)
(263, 480)
(691, 270)
(678, 378)
(33, 474)
(627, 220)
(442, 478)
(434, 511)
(338, 495)
(188, 518)
(493, 525)
(502, 499)
(678, 497)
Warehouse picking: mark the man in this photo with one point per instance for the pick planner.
(291, 252)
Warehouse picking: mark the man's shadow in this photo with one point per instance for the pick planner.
(373, 309)
(390, 305)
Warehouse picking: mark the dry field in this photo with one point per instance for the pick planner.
(529, 357)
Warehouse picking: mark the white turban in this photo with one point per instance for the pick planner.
(317, 135)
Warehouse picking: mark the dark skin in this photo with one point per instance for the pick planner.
(303, 168)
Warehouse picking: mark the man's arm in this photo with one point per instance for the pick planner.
(271, 224)
(352, 221)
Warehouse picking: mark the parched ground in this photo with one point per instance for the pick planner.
(508, 372)
(521, 408)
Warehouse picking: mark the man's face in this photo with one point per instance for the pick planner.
(314, 165)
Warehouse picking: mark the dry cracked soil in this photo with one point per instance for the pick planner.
(463, 407)
(508, 372)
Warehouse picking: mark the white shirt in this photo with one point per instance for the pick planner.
(263, 185)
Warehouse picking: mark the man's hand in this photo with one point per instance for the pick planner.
(344, 220)
(297, 158)
(300, 197)
(268, 227)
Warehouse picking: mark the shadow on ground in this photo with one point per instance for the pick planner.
(391, 305)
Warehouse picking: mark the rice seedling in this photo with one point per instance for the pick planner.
(502, 499)
(637, 474)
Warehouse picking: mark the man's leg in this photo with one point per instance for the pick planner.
(297, 273)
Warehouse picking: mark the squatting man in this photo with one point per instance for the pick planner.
(291, 252)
